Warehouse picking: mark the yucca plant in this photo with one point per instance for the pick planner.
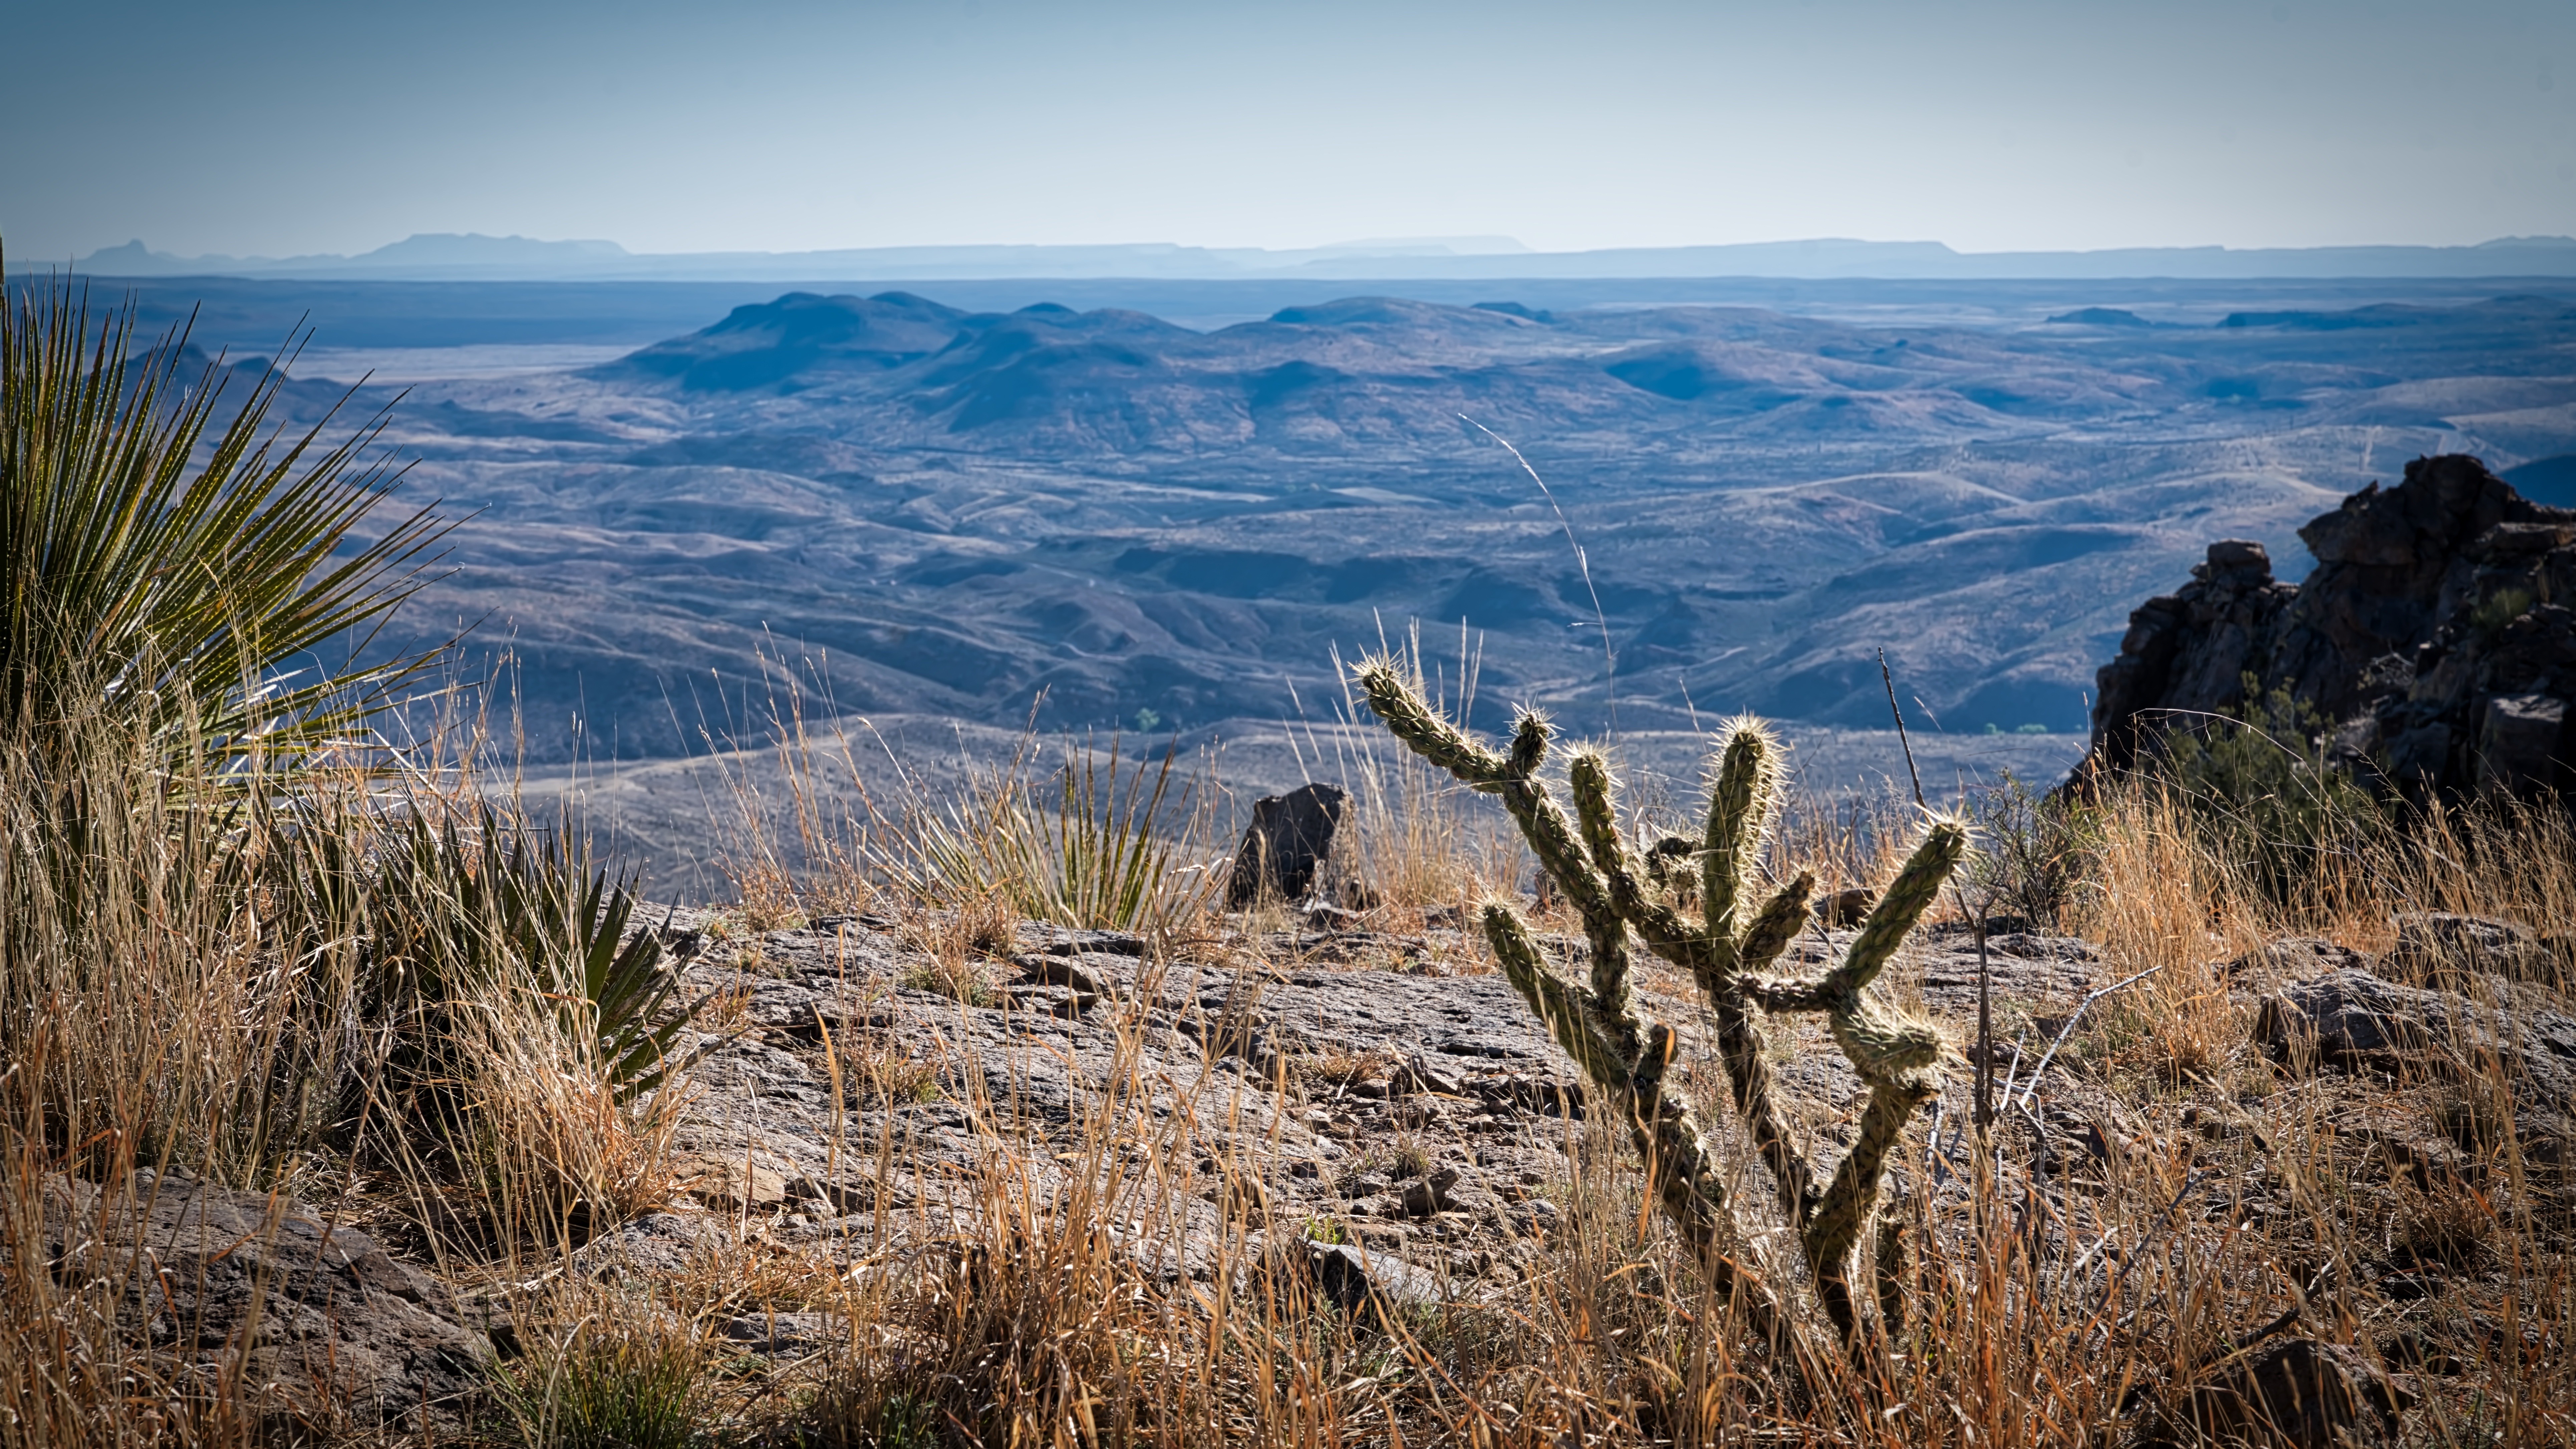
(198, 564)
(1095, 860)
(458, 913)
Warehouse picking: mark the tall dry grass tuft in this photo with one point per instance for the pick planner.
(1096, 839)
(822, 858)
(1414, 837)
(147, 1020)
(1099, 842)
(2162, 899)
(302, 980)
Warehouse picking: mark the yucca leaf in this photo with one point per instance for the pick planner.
(188, 552)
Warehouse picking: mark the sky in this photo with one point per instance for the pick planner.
(271, 128)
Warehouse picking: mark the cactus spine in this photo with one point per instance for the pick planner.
(1728, 950)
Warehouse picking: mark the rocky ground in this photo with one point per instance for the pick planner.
(1367, 1090)
(1383, 1090)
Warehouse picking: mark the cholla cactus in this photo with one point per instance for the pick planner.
(1729, 951)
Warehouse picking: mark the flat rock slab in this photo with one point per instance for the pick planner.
(344, 1336)
(1412, 1111)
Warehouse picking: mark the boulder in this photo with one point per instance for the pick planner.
(1355, 1279)
(1844, 910)
(328, 1329)
(2437, 949)
(2354, 1019)
(1288, 841)
(2301, 1394)
(2426, 638)
(1433, 1193)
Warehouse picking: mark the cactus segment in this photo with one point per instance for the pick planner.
(1885, 1046)
(1530, 735)
(1739, 1044)
(1550, 997)
(1777, 925)
(1588, 775)
(1890, 1262)
(1608, 938)
(1739, 821)
(1847, 1203)
(1409, 719)
(1773, 994)
(1906, 899)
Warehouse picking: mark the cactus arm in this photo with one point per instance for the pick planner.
(1906, 899)
(1890, 1265)
(1773, 994)
(1739, 818)
(1530, 736)
(1544, 826)
(1884, 1046)
(1845, 1207)
(1608, 999)
(1588, 776)
(1777, 925)
(1739, 1045)
(1552, 998)
(1422, 729)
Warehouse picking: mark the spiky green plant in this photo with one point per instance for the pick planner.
(198, 565)
(1098, 859)
(459, 912)
(1619, 886)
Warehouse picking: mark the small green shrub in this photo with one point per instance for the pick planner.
(2038, 850)
(963, 982)
(607, 1387)
(2260, 787)
(2499, 609)
(1094, 857)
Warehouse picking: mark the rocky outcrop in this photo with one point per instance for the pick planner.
(2435, 637)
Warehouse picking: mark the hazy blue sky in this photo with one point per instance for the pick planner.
(272, 128)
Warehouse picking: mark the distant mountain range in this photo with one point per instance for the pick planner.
(448, 257)
(951, 512)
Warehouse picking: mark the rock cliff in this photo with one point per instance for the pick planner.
(2435, 637)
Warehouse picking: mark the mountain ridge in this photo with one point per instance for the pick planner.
(472, 256)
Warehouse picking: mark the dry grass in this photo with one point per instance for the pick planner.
(1074, 1287)
(224, 975)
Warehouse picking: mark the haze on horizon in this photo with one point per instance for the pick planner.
(283, 127)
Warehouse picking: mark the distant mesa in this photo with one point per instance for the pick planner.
(447, 257)
(2101, 317)
(2385, 314)
(1360, 312)
(798, 334)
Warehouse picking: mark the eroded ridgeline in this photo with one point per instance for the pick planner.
(1620, 886)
